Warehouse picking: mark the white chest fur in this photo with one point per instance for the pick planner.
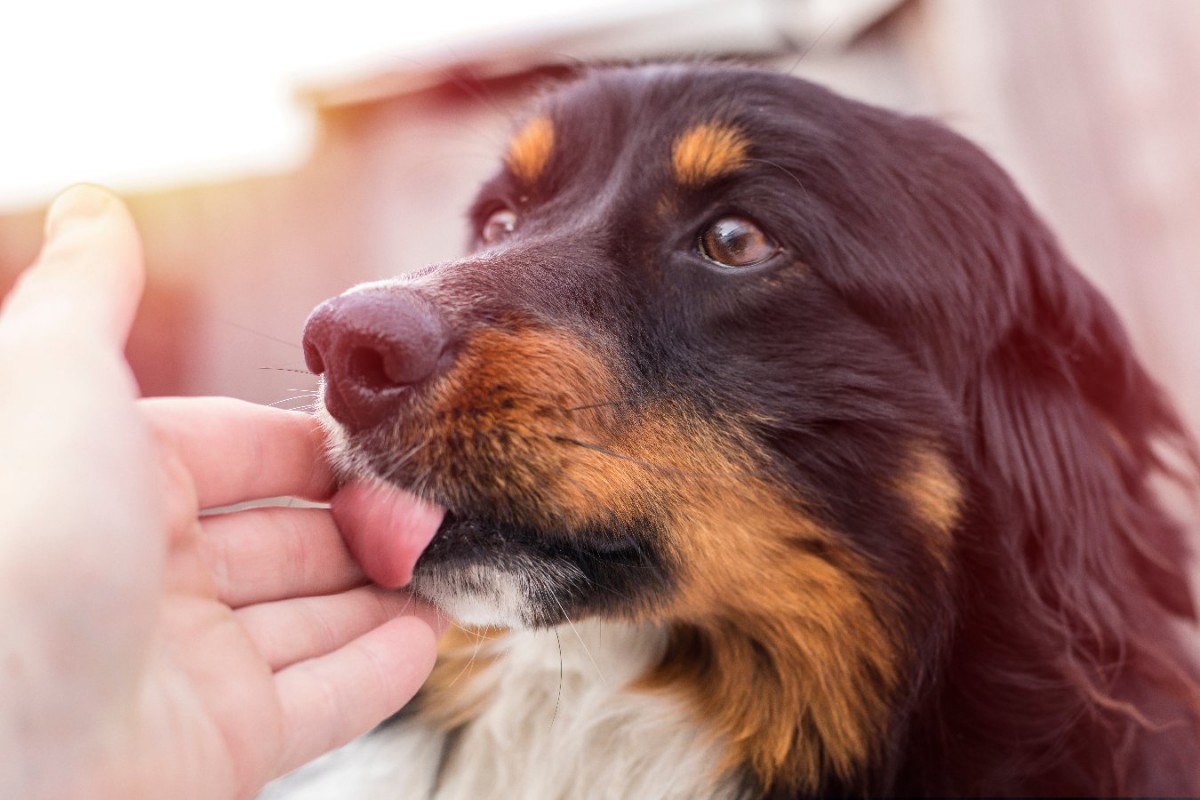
(558, 721)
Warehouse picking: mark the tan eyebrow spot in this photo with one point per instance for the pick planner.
(706, 152)
(530, 149)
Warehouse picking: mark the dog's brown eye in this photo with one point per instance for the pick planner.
(736, 242)
(499, 226)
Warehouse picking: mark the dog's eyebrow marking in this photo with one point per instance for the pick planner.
(708, 151)
(530, 149)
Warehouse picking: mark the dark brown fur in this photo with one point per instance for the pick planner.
(890, 486)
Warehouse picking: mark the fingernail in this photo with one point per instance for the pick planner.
(81, 202)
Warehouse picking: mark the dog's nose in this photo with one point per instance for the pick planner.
(373, 346)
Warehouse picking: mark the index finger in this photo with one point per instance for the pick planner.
(238, 451)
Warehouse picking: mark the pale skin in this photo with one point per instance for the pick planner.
(147, 650)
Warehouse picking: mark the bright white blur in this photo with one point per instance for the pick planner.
(142, 94)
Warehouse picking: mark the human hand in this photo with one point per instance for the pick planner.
(149, 651)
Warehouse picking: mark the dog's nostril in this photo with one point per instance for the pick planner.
(312, 358)
(368, 368)
(319, 336)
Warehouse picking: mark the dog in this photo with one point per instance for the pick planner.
(783, 454)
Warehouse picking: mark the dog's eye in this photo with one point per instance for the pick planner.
(499, 226)
(736, 242)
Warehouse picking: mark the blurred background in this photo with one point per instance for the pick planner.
(276, 153)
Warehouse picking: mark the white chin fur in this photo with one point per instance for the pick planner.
(495, 598)
(483, 595)
(560, 717)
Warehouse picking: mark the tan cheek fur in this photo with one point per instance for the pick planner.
(507, 416)
(797, 670)
(795, 645)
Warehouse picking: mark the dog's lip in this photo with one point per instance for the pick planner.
(386, 528)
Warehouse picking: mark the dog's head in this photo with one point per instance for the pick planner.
(665, 360)
(777, 368)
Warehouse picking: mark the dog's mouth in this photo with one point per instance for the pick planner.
(483, 570)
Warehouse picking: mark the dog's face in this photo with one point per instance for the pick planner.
(653, 383)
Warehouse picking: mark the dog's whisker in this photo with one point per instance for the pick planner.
(608, 404)
(558, 697)
(812, 45)
(784, 170)
(290, 369)
(582, 643)
(602, 588)
(261, 334)
(402, 460)
(306, 408)
(474, 654)
(303, 396)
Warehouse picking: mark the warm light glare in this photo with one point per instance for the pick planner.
(142, 94)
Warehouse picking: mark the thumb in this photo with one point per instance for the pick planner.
(88, 277)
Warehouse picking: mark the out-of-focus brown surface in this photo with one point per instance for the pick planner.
(1090, 103)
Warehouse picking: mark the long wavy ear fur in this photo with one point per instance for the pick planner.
(1073, 424)
(1070, 434)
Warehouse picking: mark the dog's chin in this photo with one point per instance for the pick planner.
(481, 596)
(490, 575)
(502, 574)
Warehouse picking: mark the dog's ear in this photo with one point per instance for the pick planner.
(1076, 429)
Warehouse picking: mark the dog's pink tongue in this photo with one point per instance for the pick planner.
(386, 529)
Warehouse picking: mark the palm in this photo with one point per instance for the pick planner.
(268, 635)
